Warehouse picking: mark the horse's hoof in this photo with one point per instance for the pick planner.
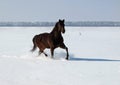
(46, 55)
(66, 58)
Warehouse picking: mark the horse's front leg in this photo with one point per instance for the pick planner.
(67, 53)
(64, 47)
(52, 52)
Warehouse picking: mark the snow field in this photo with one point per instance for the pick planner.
(94, 57)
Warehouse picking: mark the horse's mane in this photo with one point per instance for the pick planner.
(55, 29)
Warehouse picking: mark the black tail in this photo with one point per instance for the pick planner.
(34, 47)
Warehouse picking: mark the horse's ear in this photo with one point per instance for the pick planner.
(63, 20)
(59, 20)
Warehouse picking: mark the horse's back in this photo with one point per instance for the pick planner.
(45, 36)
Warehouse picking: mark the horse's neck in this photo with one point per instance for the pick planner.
(55, 33)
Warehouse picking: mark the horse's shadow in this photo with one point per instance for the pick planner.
(91, 59)
(73, 58)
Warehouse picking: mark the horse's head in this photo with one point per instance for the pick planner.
(61, 26)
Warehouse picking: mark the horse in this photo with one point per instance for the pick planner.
(51, 40)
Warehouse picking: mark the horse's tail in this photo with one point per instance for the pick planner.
(34, 44)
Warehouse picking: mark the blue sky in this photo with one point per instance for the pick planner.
(52, 10)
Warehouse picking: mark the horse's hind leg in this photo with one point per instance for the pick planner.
(41, 51)
(45, 54)
(64, 47)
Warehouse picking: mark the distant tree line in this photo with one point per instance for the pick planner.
(80, 23)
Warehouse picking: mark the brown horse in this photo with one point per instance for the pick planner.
(51, 40)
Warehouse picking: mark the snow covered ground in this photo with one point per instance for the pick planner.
(94, 57)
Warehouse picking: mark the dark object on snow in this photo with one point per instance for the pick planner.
(51, 40)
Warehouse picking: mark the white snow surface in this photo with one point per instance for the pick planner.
(94, 57)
